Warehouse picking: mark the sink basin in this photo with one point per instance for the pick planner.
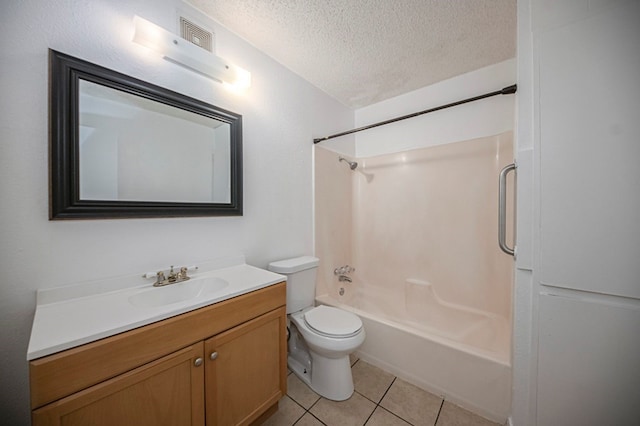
(175, 293)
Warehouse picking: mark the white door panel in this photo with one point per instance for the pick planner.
(590, 153)
(589, 362)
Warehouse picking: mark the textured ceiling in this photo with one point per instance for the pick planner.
(364, 51)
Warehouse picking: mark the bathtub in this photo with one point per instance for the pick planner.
(459, 353)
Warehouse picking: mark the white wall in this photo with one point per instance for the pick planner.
(281, 115)
(486, 117)
(522, 356)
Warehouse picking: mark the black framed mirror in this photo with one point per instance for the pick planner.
(124, 148)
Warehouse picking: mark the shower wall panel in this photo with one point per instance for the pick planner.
(431, 214)
(333, 212)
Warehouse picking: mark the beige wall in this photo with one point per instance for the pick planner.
(333, 216)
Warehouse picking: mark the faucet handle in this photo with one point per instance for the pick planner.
(346, 269)
(183, 273)
(172, 275)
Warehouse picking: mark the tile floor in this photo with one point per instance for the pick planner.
(380, 399)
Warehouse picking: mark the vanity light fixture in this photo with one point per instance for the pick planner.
(182, 52)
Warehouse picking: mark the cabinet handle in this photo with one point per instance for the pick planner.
(197, 362)
(213, 355)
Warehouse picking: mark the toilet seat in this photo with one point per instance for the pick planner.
(332, 322)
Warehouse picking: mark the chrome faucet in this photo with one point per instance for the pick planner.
(172, 278)
(343, 273)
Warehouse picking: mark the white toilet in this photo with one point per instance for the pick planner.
(320, 338)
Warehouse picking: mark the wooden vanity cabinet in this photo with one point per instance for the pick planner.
(166, 391)
(234, 375)
(243, 370)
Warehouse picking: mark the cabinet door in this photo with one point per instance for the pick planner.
(168, 391)
(245, 371)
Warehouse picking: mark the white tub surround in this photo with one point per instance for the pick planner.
(431, 286)
(70, 316)
(418, 308)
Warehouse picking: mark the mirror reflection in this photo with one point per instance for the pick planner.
(135, 149)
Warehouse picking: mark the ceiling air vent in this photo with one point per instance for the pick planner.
(196, 34)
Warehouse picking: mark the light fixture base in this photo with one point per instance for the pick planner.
(180, 51)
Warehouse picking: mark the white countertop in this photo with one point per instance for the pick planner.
(65, 323)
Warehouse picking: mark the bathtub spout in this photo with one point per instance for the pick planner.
(343, 278)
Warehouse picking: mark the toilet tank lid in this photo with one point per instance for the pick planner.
(290, 266)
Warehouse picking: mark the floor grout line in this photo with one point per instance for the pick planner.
(439, 411)
(373, 411)
(387, 391)
(317, 418)
(388, 411)
(395, 415)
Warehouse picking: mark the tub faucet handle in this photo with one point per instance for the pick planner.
(343, 270)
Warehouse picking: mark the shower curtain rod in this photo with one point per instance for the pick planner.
(505, 91)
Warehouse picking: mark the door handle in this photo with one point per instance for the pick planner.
(502, 209)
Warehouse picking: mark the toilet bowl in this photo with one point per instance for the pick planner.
(330, 370)
(320, 338)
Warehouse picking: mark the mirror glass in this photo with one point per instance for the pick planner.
(132, 148)
(121, 147)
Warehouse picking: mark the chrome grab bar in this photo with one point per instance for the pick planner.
(502, 209)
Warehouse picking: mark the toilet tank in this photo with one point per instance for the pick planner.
(301, 280)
